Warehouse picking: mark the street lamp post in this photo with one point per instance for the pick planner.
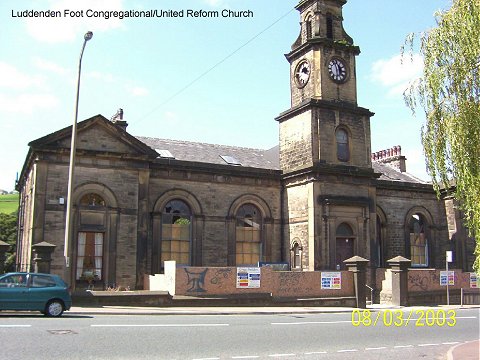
(68, 222)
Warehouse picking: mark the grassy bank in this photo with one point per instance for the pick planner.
(8, 203)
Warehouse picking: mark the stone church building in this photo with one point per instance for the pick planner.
(316, 199)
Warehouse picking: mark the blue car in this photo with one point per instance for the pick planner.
(46, 293)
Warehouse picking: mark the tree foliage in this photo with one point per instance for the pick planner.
(449, 92)
(8, 234)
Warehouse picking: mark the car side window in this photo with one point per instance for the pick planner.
(39, 281)
(17, 280)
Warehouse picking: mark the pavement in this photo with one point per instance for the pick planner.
(463, 351)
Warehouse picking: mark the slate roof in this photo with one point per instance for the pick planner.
(211, 153)
(248, 157)
(391, 174)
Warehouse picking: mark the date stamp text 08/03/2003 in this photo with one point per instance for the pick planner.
(398, 318)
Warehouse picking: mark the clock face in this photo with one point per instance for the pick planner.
(302, 73)
(337, 70)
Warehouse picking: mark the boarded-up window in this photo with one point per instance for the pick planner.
(248, 235)
(176, 233)
(418, 241)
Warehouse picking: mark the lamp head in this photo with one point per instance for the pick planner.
(88, 36)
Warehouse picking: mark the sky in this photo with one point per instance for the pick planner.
(206, 79)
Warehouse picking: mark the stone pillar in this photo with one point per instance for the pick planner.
(358, 266)
(399, 269)
(3, 249)
(42, 256)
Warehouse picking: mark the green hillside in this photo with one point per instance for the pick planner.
(8, 203)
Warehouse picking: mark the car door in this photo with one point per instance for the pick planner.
(14, 292)
(41, 289)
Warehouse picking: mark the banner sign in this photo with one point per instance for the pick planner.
(332, 280)
(248, 277)
(447, 277)
(473, 281)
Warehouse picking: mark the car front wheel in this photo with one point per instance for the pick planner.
(54, 308)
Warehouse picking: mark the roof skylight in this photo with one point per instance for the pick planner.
(230, 160)
(166, 154)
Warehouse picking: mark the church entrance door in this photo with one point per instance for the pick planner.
(344, 251)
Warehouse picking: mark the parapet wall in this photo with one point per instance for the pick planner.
(424, 285)
(222, 281)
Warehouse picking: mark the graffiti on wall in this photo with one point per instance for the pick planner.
(430, 280)
(422, 280)
(220, 276)
(290, 284)
(196, 280)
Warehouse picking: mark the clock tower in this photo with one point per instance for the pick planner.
(325, 151)
(322, 59)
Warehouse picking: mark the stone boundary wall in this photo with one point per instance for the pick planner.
(421, 280)
(222, 281)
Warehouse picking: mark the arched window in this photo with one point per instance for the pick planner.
(418, 240)
(343, 150)
(329, 26)
(344, 245)
(248, 235)
(176, 233)
(90, 256)
(308, 27)
(296, 256)
(379, 242)
(90, 243)
(92, 200)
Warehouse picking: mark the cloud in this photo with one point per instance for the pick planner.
(170, 115)
(27, 103)
(137, 91)
(50, 66)
(66, 29)
(105, 77)
(25, 93)
(416, 163)
(115, 81)
(396, 74)
(214, 3)
(13, 78)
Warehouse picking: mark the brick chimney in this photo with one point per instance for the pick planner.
(392, 157)
(117, 119)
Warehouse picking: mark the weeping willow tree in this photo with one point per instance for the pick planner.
(449, 93)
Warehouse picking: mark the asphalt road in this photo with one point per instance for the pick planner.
(303, 336)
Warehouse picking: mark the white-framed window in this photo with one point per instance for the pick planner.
(90, 256)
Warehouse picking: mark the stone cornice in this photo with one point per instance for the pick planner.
(324, 104)
(331, 169)
(302, 49)
(192, 166)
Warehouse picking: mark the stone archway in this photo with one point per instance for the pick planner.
(94, 241)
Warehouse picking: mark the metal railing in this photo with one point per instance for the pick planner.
(371, 294)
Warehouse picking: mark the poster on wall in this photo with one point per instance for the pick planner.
(447, 277)
(332, 280)
(248, 277)
(473, 281)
